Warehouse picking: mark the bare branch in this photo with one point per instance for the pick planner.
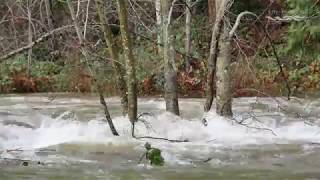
(237, 23)
(232, 32)
(170, 13)
(290, 18)
(86, 21)
(30, 45)
(159, 138)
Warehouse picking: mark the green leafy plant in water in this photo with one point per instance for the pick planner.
(154, 155)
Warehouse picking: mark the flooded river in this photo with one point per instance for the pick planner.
(65, 137)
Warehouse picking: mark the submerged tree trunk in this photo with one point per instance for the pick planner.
(119, 70)
(188, 34)
(214, 49)
(224, 71)
(107, 115)
(171, 87)
(224, 80)
(86, 56)
(130, 61)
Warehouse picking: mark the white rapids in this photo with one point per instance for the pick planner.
(265, 124)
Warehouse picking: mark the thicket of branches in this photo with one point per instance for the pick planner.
(42, 32)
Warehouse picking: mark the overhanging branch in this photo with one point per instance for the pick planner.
(30, 45)
(237, 23)
(232, 32)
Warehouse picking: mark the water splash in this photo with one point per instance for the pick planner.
(220, 131)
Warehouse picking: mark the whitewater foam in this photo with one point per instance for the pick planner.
(220, 131)
(269, 125)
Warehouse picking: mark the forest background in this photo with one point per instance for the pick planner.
(55, 63)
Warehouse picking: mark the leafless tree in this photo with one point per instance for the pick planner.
(130, 61)
(171, 86)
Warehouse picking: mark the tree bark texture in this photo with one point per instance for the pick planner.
(224, 80)
(171, 87)
(214, 50)
(212, 11)
(159, 25)
(30, 37)
(188, 34)
(130, 61)
(48, 7)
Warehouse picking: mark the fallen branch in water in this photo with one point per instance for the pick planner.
(24, 162)
(211, 140)
(14, 150)
(148, 125)
(160, 138)
(24, 150)
(254, 118)
(259, 128)
(252, 127)
(144, 114)
(207, 160)
(107, 114)
(15, 159)
(142, 157)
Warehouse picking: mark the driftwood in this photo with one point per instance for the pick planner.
(17, 123)
(22, 161)
(151, 137)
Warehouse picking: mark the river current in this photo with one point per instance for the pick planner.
(68, 138)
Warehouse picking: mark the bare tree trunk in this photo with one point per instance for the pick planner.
(188, 34)
(76, 24)
(130, 61)
(159, 25)
(49, 15)
(224, 71)
(113, 52)
(171, 87)
(212, 11)
(214, 49)
(86, 56)
(30, 34)
(224, 80)
(48, 6)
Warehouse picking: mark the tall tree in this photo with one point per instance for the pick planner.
(214, 49)
(224, 80)
(49, 17)
(113, 53)
(188, 33)
(212, 11)
(130, 61)
(30, 35)
(85, 53)
(171, 87)
(224, 67)
(159, 25)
